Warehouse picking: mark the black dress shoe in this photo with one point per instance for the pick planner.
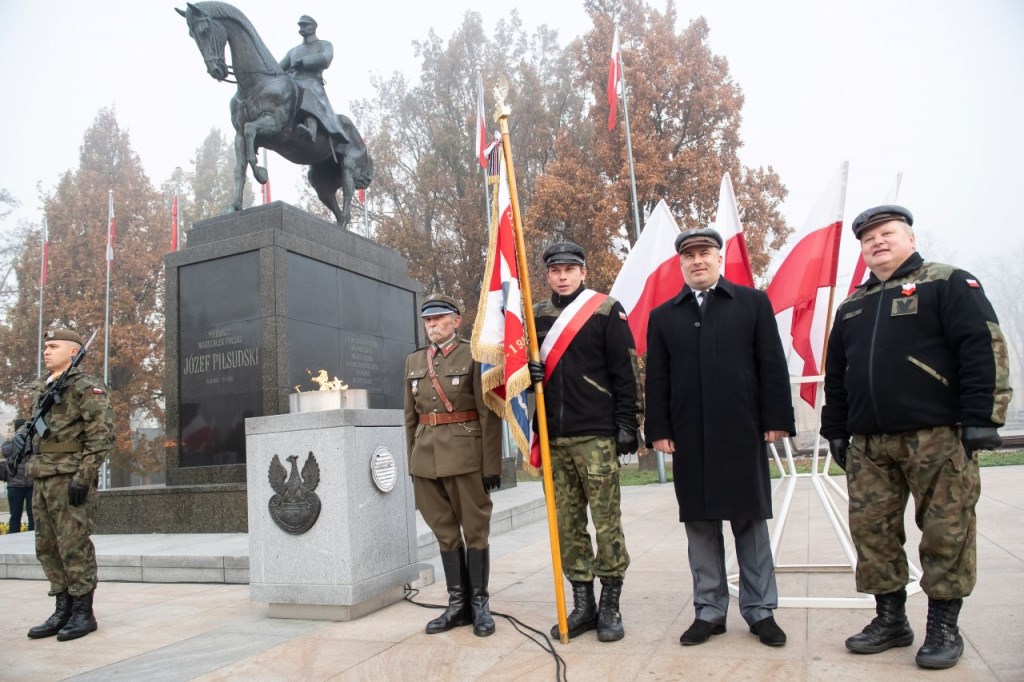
(700, 631)
(769, 632)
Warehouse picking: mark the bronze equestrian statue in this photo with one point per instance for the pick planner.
(282, 106)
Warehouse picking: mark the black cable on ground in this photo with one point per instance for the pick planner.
(561, 669)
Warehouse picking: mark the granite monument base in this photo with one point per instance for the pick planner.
(361, 549)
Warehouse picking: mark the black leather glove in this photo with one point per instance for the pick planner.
(980, 438)
(536, 371)
(491, 482)
(626, 442)
(838, 448)
(77, 493)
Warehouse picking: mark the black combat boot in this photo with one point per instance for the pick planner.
(584, 611)
(479, 562)
(457, 579)
(82, 621)
(889, 629)
(609, 620)
(61, 616)
(943, 644)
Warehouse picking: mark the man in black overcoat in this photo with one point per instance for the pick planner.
(718, 391)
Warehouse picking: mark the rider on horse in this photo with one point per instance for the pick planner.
(306, 64)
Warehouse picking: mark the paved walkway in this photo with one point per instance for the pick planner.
(188, 631)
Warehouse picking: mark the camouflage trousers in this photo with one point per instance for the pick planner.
(63, 545)
(882, 471)
(585, 470)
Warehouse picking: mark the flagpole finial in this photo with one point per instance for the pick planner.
(501, 108)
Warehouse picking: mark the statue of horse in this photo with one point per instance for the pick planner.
(265, 107)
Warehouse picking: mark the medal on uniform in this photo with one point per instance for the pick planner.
(455, 381)
(415, 387)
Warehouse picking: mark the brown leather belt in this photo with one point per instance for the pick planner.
(435, 418)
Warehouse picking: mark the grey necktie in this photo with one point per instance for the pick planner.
(702, 301)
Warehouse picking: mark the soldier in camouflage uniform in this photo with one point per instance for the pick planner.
(593, 406)
(917, 373)
(65, 466)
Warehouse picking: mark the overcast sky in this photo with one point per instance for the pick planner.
(931, 88)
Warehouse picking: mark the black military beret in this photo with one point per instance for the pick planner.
(695, 237)
(565, 252)
(439, 304)
(881, 214)
(63, 335)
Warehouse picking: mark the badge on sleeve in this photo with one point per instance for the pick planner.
(97, 391)
(973, 283)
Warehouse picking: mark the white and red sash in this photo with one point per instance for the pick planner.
(564, 330)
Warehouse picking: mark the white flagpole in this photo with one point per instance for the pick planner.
(106, 318)
(42, 285)
(629, 147)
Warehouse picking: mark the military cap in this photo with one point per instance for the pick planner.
(63, 335)
(439, 304)
(306, 19)
(696, 237)
(881, 214)
(565, 252)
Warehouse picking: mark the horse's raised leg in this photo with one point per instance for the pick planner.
(325, 178)
(264, 125)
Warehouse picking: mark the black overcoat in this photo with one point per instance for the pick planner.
(714, 386)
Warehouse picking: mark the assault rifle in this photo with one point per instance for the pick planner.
(36, 424)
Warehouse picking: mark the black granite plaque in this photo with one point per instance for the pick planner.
(356, 328)
(219, 367)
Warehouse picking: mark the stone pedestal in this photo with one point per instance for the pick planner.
(362, 548)
(257, 299)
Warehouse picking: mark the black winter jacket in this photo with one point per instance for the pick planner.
(920, 350)
(594, 388)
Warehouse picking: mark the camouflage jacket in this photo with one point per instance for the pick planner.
(921, 349)
(81, 430)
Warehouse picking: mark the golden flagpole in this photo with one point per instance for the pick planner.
(502, 114)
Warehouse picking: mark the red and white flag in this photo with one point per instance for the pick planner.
(265, 192)
(45, 255)
(614, 76)
(110, 228)
(734, 250)
(361, 196)
(799, 291)
(174, 224)
(481, 127)
(499, 341)
(651, 274)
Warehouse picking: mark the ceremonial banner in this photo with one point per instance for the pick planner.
(498, 338)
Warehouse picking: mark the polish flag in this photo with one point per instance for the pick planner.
(481, 127)
(110, 227)
(799, 291)
(734, 252)
(174, 224)
(860, 271)
(651, 274)
(614, 76)
(45, 254)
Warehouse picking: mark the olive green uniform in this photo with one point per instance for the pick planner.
(81, 436)
(447, 461)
